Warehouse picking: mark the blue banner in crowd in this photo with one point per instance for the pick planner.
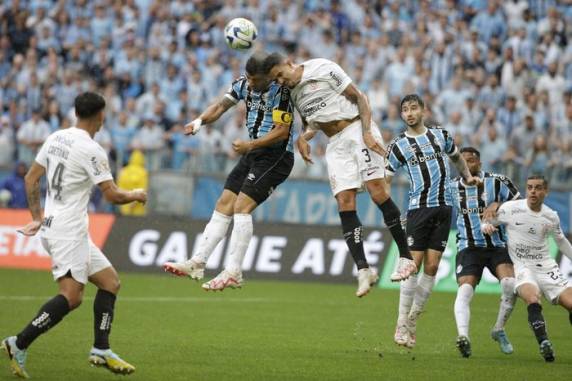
(311, 202)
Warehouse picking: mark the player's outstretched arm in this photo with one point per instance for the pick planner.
(32, 181)
(210, 115)
(118, 196)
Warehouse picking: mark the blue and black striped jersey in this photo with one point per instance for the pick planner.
(471, 201)
(425, 157)
(262, 107)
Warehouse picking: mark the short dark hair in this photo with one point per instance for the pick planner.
(412, 98)
(255, 64)
(272, 60)
(472, 150)
(538, 176)
(88, 104)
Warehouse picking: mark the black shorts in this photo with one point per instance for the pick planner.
(259, 172)
(473, 260)
(428, 228)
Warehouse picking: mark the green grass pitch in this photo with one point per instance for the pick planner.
(170, 329)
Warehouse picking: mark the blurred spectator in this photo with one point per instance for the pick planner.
(16, 186)
(185, 148)
(509, 115)
(523, 137)
(493, 148)
(552, 82)
(211, 150)
(133, 176)
(538, 158)
(31, 136)
(6, 142)
(149, 140)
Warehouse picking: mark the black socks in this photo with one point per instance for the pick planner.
(392, 218)
(49, 315)
(352, 228)
(536, 321)
(103, 307)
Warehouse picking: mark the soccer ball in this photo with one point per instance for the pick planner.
(240, 34)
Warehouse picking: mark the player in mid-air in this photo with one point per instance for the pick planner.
(528, 224)
(328, 101)
(477, 250)
(423, 151)
(73, 162)
(266, 162)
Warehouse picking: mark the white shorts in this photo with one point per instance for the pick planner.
(549, 280)
(350, 162)
(80, 257)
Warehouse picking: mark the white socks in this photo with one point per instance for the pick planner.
(424, 288)
(463, 308)
(239, 240)
(214, 232)
(508, 299)
(406, 294)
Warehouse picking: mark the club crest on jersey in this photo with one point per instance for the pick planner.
(532, 230)
(251, 177)
(410, 241)
(484, 196)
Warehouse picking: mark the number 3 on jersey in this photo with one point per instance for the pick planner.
(56, 183)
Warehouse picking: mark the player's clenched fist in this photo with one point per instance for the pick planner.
(139, 195)
(193, 127)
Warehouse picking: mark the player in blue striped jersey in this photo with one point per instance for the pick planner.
(477, 250)
(423, 151)
(267, 160)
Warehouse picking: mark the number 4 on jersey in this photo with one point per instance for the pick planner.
(56, 183)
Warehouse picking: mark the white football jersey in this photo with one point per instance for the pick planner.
(528, 232)
(318, 96)
(74, 162)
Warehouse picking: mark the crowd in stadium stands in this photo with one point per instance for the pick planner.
(498, 75)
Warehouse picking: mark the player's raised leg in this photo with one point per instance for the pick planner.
(231, 276)
(214, 232)
(352, 230)
(107, 282)
(505, 273)
(392, 218)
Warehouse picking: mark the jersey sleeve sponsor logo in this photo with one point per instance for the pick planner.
(336, 78)
(99, 167)
(95, 166)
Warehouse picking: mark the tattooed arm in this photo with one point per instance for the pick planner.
(210, 115)
(32, 181)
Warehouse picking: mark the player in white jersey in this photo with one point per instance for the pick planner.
(528, 224)
(328, 101)
(73, 162)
